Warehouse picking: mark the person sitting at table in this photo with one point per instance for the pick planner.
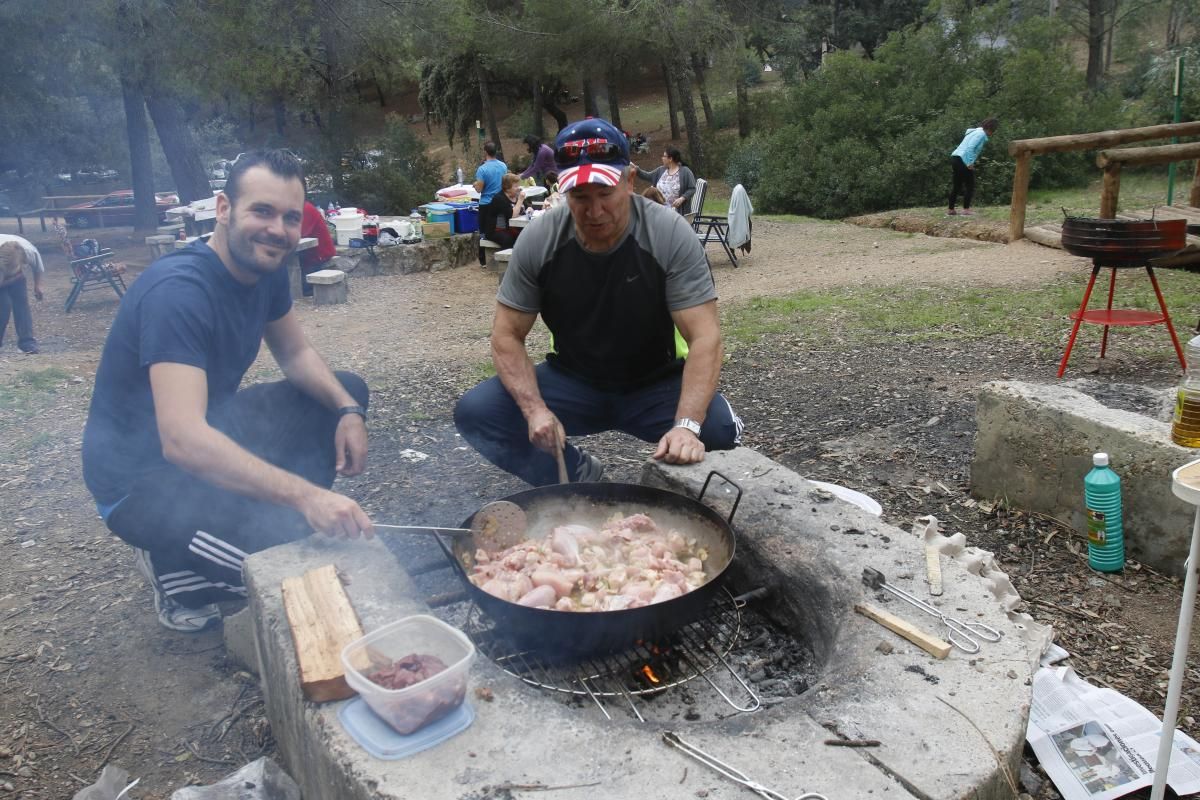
(314, 258)
(652, 193)
(494, 218)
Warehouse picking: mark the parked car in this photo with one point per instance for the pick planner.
(95, 175)
(115, 208)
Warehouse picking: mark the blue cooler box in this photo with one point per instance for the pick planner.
(466, 217)
(440, 212)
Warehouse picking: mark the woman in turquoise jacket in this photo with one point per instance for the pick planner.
(962, 164)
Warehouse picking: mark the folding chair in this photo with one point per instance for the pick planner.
(97, 271)
(716, 229)
(697, 206)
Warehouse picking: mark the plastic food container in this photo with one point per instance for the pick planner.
(413, 707)
(440, 212)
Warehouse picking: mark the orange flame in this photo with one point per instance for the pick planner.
(649, 673)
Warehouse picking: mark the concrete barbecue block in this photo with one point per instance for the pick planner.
(330, 286)
(326, 277)
(941, 725)
(1035, 445)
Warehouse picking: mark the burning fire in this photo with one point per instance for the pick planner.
(649, 673)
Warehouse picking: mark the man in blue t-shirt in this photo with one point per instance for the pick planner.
(487, 177)
(193, 473)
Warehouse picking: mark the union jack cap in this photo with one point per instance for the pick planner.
(603, 174)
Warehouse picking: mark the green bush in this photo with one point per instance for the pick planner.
(404, 176)
(864, 135)
(745, 165)
(718, 146)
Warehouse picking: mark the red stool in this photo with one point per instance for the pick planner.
(1110, 317)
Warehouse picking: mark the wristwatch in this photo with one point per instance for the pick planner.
(344, 410)
(690, 424)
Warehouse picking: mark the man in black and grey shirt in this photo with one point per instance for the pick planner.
(625, 289)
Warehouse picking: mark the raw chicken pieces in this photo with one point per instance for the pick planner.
(629, 562)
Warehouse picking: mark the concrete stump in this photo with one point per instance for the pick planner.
(330, 286)
(160, 245)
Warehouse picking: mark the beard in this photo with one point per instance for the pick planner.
(242, 249)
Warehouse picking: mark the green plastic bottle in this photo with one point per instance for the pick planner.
(1102, 495)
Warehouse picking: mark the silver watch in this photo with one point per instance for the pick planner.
(690, 424)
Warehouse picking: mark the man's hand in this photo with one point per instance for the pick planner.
(680, 446)
(546, 432)
(350, 445)
(336, 515)
(37, 292)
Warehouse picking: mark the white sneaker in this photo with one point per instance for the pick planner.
(171, 614)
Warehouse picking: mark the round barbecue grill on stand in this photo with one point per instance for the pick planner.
(1121, 244)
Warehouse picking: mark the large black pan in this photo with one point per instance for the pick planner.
(576, 634)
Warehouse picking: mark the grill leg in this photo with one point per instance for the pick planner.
(1162, 304)
(1112, 286)
(1087, 294)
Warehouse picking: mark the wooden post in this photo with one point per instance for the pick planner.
(1194, 198)
(1020, 196)
(1110, 191)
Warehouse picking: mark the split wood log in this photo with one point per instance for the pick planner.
(927, 642)
(323, 622)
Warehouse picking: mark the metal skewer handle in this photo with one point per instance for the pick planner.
(734, 774)
(962, 634)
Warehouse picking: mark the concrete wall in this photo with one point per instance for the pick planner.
(1035, 445)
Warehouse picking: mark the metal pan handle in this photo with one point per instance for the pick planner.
(737, 500)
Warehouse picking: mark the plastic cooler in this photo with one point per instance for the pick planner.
(440, 212)
(466, 217)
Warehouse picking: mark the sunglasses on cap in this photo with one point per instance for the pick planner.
(596, 151)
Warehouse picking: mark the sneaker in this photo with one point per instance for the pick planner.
(172, 614)
(966, 212)
(951, 213)
(30, 349)
(589, 469)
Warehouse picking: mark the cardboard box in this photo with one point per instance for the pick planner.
(436, 230)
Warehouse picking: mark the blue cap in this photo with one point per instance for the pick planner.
(590, 151)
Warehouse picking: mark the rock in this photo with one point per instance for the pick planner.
(1030, 780)
(885, 648)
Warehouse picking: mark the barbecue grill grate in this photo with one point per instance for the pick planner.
(693, 651)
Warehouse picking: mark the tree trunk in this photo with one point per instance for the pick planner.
(1095, 43)
(485, 105)
(683, 80)
(548, 103)
(145, 210)
(698, 70)
(1112, 34)
(179, 146)
(1175, 19)
(743, 104)
(379, 90)
(614, 106)
(539, 129)
(672, 104)
(280, 114)
(589, 99)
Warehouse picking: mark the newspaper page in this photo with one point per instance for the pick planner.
(1097, 744)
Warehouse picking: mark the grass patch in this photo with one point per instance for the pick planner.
(919, 314)
(31, 388)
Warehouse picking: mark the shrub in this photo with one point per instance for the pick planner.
(403, 175)
(864, 135)
(745, 164)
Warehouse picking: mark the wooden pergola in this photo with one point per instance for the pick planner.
(1110, 161)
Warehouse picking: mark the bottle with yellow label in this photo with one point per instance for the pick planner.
(1102, 495)
(1185, 430)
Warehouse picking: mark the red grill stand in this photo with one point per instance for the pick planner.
(1110, 317)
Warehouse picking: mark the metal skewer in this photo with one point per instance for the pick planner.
(734, 774)
(962, 634)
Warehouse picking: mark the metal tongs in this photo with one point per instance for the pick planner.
(734, 774)
(962, 634)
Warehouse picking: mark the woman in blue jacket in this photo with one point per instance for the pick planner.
(962, 164)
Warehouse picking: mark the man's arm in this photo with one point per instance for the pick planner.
(701, 329)
(516, 372)
(305, 368)
(190, 443)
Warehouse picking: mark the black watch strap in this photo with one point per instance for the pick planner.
(344, 410)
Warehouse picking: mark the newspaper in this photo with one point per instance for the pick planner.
(1097, 744)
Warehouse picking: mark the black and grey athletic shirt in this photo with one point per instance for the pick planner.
(610, 313)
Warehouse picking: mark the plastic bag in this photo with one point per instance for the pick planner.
(259, 780)
(111, 785)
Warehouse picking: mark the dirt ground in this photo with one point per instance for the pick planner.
(90, 678)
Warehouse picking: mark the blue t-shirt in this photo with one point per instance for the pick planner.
(185, 309)
(490, 172)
